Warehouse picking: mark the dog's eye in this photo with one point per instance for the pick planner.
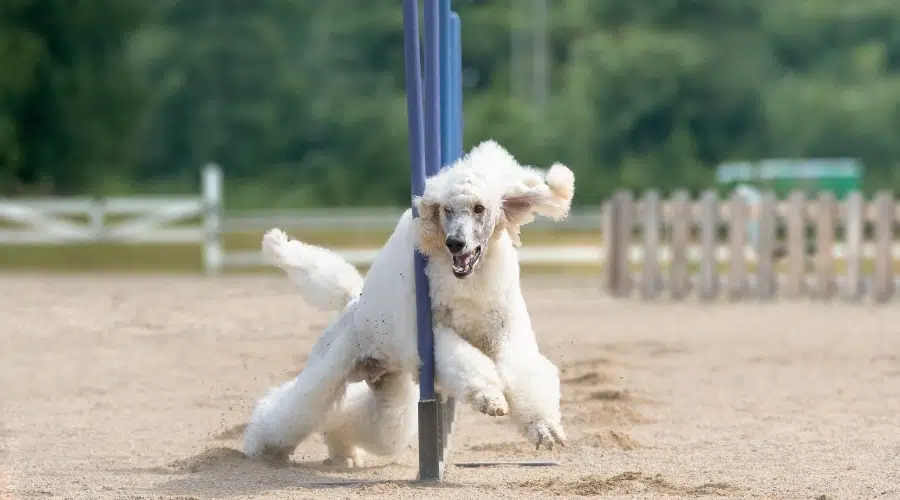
(479, 209)
(448, 210)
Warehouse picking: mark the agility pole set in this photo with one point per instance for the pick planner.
(434, 113)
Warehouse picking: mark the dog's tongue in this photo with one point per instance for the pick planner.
(462, 260)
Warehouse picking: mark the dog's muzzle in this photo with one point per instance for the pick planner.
(464, 262)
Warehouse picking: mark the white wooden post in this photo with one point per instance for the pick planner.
(795, 285)
(651, 225)
(708, 283)
(853, 239)
(213, 253)
(884, 227)
(97, 218)
(825, 222)
(738, 236)
(682, 221)
(766, 277)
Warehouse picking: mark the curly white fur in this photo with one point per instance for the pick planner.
(325, 279)
(360, 383)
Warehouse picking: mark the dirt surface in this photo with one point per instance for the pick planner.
(136, 388)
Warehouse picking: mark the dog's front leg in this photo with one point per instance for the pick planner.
(467, 373)
(533, 392)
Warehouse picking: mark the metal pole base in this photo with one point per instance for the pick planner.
(435, 420)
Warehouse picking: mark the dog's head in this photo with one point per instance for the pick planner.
(469, 204)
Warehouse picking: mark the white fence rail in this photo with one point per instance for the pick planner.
(121, 220)
(201, 220)
(365, 256)
(378, 218)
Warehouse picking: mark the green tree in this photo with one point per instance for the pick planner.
(67, 99)
(303, 102)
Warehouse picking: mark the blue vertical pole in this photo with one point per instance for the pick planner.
(432, 165)
(449, 154)
(446, 84)
(434, 117)
(430, 452)
(456, 71)
(431, 446)
(413, 65)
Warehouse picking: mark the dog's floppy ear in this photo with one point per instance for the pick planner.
(431, 233)
(550, 197)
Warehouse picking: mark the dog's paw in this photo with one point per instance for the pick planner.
(493, 404)
(543, 432)
(343, 462)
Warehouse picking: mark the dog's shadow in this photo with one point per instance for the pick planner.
(224, 472)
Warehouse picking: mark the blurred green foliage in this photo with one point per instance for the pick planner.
(302, 102)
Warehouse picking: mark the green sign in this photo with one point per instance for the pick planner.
(839, 176)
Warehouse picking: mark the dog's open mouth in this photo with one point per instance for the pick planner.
(464, 263)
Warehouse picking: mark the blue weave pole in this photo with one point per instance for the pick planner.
(414, 117)
(456, 79)
(423, 116)
(434, 115)
(446, 85)
(433, 143)
(435, 120)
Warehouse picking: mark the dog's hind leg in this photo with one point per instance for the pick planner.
(289, 413)
(376, 417)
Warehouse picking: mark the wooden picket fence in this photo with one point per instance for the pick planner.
(814, 246)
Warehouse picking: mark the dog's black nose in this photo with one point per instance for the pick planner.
(454, 245)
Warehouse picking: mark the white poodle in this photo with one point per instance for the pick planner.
(359, 385)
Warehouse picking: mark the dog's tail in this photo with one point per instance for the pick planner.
(325, 280)
(289, 413)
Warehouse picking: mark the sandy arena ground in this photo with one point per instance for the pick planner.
(136, 388)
